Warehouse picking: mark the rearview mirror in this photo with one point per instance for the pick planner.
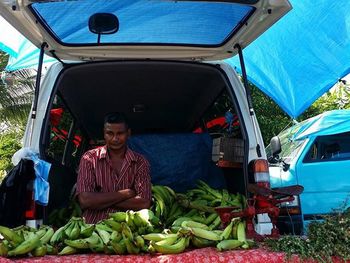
(276, 149)
(103, 24)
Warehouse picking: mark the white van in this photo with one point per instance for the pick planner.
(159, 62)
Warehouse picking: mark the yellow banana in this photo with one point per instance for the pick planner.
(11, 235)
(228, 244)
(176, 248)
(25, 247)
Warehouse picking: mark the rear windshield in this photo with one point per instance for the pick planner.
(145, 21)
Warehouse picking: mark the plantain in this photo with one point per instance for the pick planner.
(201, 242)
(227, 231)
(83, 243)
(4, 249)
(11, 236)
(46, 238)
(130, 247)
(228, 244)
(139, 241)
(176, 248)
(67, 250)
(118, 216)
(39, 251)
(119, 247)
(206, 234)
(113, 224)
(158, 236)
(25, 247)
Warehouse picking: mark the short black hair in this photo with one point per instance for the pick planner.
(116, 117)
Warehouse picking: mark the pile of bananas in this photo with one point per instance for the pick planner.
(60, 217)
(175, 222)
(24, 240)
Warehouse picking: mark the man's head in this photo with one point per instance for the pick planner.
(116, 130)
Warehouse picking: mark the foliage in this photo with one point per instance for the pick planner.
(9, 144)
(327, 238)
(16, 93)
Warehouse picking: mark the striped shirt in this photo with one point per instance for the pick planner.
(97, 175)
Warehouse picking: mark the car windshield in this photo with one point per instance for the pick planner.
(290, 148)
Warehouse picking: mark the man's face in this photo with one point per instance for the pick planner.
(116, 135)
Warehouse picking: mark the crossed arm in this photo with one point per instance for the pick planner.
(123, 199)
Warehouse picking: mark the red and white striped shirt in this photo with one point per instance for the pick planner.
(97, 175)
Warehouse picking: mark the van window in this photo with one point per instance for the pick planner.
(220, 119)
(329, 148)
(65, 139)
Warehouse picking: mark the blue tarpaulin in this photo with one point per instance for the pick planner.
(294, 62)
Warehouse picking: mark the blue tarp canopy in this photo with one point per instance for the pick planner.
(294, 62)
(327, 123)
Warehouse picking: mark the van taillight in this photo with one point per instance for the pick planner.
(261, 172)
(29, 202)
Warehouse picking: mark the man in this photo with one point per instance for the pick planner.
(113, 177)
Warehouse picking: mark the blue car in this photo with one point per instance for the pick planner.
(315, 154)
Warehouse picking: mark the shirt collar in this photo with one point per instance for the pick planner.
(129, 155)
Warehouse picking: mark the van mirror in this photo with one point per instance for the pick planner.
(276, 149)
(103, 24)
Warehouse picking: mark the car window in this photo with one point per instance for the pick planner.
(329, 148)
(220, 118)
(65, 141)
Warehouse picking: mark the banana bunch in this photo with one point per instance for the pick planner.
(24, 240)
(60, 217)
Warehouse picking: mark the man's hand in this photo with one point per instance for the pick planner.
(99, 201)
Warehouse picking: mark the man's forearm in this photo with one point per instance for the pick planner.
(134, 203)
(100, 201)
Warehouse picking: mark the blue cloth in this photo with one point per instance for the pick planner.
(327, 123)
(179, 160)
(302, 56)
(41, 184)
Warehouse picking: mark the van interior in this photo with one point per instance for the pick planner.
(176, 110)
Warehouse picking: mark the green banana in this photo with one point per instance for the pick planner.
(75, 233)
(241, 236)
(138, 221)
(41, 232)
(113, 224)
(198, 219)
(170, 240)
(227, 231)
(57, 236)
(11, 235)
(46, 238)
(39, 251)
(25, 247)
(211, 218)
(176, 248)
(105, 236)
(68, 228)
(139, 241)
(228, 244)
(102, 226)
(157, 209)
(148, 216)
(206, 234)
(87, 230)
(129, 219)
(179, 221)
(190, 224)
(162, 204)
(83, 243)
(67, 250)
(126, 231)
(118, 216)
(158, 236)
(130, 247)
(201, 242)
(50, 250)
(116, 236)
(119, 247)
(163, 193)
(97, 247)
(4, 249)
(108, 250)
(171, 191)
(216, 223)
